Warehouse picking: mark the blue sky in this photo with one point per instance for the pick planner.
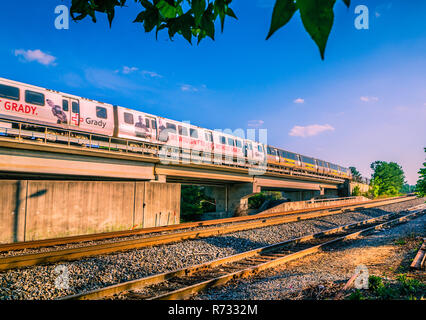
(365, 102)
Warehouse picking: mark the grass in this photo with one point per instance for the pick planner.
(404, 288)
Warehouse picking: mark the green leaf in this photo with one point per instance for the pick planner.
(198, 7)
(317, 17)
(166, 10)
(207, 22)
(283, 11)
(231, 13)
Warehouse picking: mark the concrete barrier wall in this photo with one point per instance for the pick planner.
(298, 205)
(34, 210)
(362, 186)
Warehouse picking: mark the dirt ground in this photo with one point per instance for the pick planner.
(386, 253)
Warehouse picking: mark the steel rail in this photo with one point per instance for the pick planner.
(263, 258)
(420, 258)
(26, 260)
(126, 233)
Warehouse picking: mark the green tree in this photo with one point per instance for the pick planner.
(196, 18)
(194, 202)
(421, 183)
(355, 174)
(387, 179)
(406, 188)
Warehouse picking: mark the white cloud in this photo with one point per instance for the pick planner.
(311, 130)
(188, 88)
(368, 99)
(299, 100)
(36, 55)
(128, 70)
(151, 74)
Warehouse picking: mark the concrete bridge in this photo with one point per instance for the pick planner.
(56, 190)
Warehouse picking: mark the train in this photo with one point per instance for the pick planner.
(34, 105)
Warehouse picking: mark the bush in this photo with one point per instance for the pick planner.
(195, 202)
(356, 191)
(257, 200)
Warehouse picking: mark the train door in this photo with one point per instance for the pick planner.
(151, 125)
(70, 112)
(248, 150)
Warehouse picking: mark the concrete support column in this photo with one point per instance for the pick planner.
(237, 196)
(231, 197)
(220, 196)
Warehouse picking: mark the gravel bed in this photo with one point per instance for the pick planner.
(326, 271)
(111, 240)
(45, 281)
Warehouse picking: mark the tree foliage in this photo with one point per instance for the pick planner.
(195, 202)
(356, 191)
(421, 183)
(387, 179)
(196, 18)
(355, 174)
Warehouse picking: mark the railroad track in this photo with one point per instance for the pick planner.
(188, 225)
(188, 281)
(420, 258)
(244, 223)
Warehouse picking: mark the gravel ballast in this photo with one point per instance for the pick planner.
(45, 281)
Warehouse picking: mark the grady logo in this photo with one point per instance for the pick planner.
(94, 122)
(12, 106)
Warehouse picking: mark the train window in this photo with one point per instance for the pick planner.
(34, 98)
(208, 136)
(333, 166)
(147, 123)
(65, 105)
(128, 118)
(75, 107)
(154, 124)
(183, 131)
(250, 147)
(291, 156)
(272, 151)
(238, 143)
(101, 112)
(308, 160)
(230, 142)
(194, 133)
(171, 127)
(9, 92)
(222, 140)
(259, 147)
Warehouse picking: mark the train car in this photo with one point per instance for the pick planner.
(272, 155)
(36, 105)
(227, 147)
(334, 169)
(308, 163)
(344, 172)
(135, 125)
(322, 166)
(289, 159)
(254, 152)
